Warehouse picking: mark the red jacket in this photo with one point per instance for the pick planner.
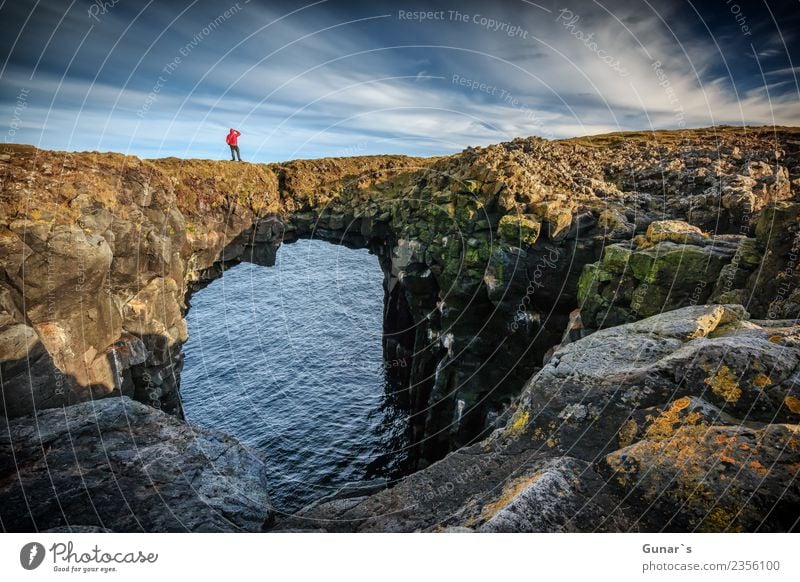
(233, 137)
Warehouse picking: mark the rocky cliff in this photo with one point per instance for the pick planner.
(489, 256)
(685, 421)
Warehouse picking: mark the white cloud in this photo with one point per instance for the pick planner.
(318, 96)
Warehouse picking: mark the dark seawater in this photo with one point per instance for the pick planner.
(288, 359)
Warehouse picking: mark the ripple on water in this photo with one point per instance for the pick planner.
(289, 360)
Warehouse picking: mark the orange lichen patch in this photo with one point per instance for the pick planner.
(627, 432)
(510, 491)
(724, 384)
(617, 463)
(689, 468)
(721, 439)
(665, 425)
(792, 403)
(762, 381)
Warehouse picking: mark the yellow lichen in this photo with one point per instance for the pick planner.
(665, 425)
(792, 403)
(519, 424)
(549, 435)
(762, 381)
(724, 384)
(627, 432)
(720, 520)
(510, 491)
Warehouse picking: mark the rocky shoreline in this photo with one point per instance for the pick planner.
(665, 424)
(511, 273)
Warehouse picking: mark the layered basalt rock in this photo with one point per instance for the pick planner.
(672, 265)
(675, 264)
(482, 252)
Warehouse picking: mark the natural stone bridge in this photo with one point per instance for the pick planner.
(482, 254)
(486, 254)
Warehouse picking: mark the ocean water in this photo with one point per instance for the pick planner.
(288, 359)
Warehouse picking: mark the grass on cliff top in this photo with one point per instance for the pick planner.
(287, 186)
(674, 136)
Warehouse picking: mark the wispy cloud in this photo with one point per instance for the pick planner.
(333, 78)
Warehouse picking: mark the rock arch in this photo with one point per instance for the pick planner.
(482, 252)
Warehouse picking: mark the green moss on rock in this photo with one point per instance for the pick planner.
(519, 229)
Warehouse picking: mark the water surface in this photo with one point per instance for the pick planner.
(288, 359)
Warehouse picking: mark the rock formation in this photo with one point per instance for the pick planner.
(119, 465)
(685, 421)
(486, 254)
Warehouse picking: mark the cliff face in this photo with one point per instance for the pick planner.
(483, 254)
(489, 256)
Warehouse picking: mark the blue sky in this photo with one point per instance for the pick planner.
(332, 78)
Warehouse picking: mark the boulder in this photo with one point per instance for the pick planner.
(676, 231)
(123, 466)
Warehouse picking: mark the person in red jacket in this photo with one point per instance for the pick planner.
(233, 141)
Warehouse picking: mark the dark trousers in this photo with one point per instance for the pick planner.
(235, 148)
